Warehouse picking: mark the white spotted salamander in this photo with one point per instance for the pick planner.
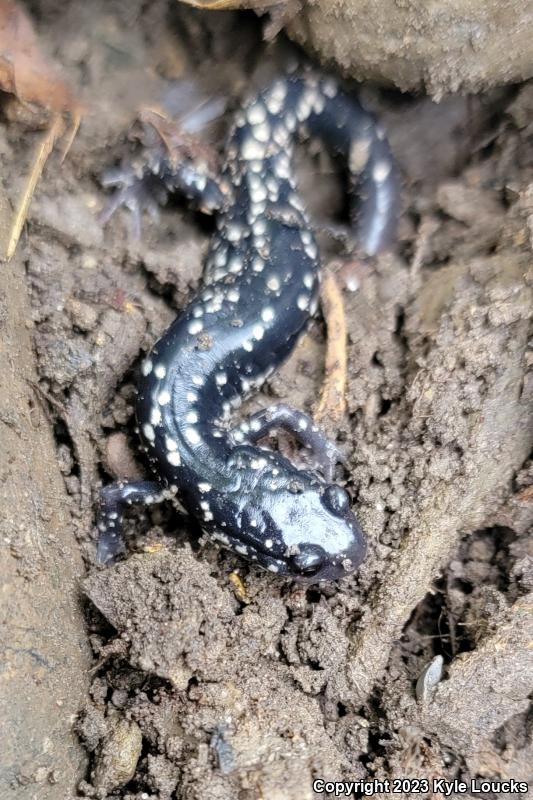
(260, 291)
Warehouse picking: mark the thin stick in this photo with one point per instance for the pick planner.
(332, 403)
(42, 151)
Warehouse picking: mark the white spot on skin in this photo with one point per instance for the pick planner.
(311, 250)
(235, 265)
(269, 544)
(155, 416)
(258, 264)
(191, 417)
(272, 184)
(195, 326)
(197, 380)
(163, 398)
(256, 114)
(273, 568)
(381, 171)
(258, 332)
(233, 295)
(319, 104)
(258, 194)
(240, 548)
(261, 132)
(281, 135)
(279, 90)
(160, 371)
(221, 256)
(192, 397)
(309, 280)
(234, 233)
(267, 314)
(170, 444)
(274, 105)
(221, 378)
(252, 150)
(295, 202)
(149, 432)
(303, 109)
(197, 312)
(174, 458)
(204, 487)
(329, 88)
(192, 435)
(282, 167)
(302, 302)
(273, 283)
(146, 367)
(359, 153)
(248, 346)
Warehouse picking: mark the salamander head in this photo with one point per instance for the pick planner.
(305, 530)
(319, 533)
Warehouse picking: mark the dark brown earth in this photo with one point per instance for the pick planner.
(200, 687)
(441, 47)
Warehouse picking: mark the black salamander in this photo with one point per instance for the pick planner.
(260, 291)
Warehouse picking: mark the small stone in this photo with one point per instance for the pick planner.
(429, 679)
(117, 760)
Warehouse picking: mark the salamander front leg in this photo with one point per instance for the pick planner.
(300, 425)
(113, 498)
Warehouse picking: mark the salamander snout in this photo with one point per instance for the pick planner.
(340, 539)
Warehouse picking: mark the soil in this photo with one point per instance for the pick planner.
(211, 679)
(443, 47)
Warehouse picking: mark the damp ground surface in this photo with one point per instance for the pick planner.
(211, 679)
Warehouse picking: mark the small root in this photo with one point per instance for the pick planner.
(331, 406)
(42, 151)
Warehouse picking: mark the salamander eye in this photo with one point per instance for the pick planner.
(309, 560)
(336, 499)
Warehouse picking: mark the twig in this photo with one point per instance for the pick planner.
(42, 151)
(331, 406)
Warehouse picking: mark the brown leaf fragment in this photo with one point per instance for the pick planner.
(32, 78)
(24, 69)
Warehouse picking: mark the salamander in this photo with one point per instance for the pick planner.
(260, 291)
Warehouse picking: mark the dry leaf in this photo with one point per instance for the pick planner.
(24, 69)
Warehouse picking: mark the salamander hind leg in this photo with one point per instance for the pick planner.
(113, 498)
(300, 425)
